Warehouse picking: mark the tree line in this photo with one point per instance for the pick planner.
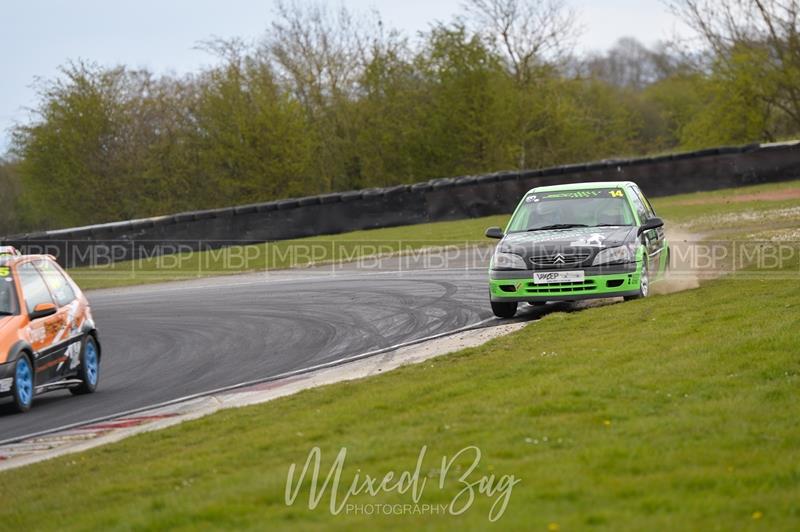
(331, 100)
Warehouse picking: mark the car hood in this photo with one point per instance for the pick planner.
(578, 244)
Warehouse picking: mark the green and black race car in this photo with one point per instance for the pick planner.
(577, 241)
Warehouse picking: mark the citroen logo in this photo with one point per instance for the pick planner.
(558, 259)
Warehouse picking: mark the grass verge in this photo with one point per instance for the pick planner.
(287, 253)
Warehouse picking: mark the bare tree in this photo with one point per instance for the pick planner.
(630, 64)
(530, 36)
(764, 35)
(726, 23)
(319, 52)
(527, 33)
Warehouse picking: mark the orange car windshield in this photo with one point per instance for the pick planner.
(8, 293)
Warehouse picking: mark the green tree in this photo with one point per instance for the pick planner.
(666, 107)
(732, 109)
(390, 113)
(319, 54)
(11, 219)
(76, 159)
(465, 110)
(251, 142)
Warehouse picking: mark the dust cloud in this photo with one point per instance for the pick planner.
(682, 273)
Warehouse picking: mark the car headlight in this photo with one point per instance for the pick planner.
(507, 261)
(616, 255)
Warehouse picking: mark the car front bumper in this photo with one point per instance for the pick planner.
(598, 282)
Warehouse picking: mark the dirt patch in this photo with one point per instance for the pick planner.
(791, 234)
(770, 195)
(743, 219)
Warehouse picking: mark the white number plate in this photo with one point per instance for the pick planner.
(558, 277)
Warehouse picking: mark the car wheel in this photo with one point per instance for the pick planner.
(23, 388)
(644, 284)
(504, 309)
(89, 370)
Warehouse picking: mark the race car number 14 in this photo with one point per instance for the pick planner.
(558, 277)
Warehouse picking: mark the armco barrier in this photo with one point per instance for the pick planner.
(435, 200)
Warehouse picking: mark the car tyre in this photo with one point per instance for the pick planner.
(644, 284)
(503, 309)
(89, 369)
(23, 388)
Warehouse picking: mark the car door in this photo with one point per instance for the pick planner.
(69, 336)
(654, 238)
(659, 234)
(44, 332)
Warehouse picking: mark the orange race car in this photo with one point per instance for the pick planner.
(48, 340)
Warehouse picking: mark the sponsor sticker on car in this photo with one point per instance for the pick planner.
(575, 276)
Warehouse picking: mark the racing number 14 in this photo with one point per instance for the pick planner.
(615, 193)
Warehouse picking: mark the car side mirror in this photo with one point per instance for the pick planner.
(652, 223)
(43, 309)
(494, 232)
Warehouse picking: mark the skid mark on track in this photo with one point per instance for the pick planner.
(162, 345)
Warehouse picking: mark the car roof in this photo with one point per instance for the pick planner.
(13, 260)
(582, 186)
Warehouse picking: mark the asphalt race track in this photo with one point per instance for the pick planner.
(166, 341)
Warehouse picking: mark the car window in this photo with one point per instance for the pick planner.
(58, 284)
(34, 290)
(650, 212)
(8, 292)
(638, 205)
(590, 208)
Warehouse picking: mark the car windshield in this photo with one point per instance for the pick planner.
(574, 208)
(8, 293)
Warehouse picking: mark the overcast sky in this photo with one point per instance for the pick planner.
(39, 35)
